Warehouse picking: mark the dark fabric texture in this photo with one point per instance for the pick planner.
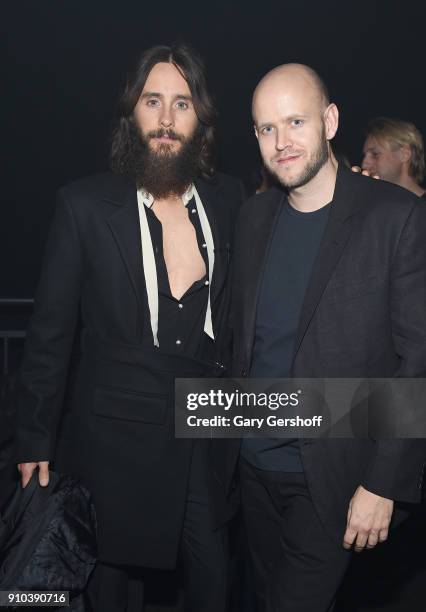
(363, 315)
(292, 252)
(48, 537)
(288, 267)
(118, 435)
(297, 567)
(203, 559)
(110, 587)
(203, 549)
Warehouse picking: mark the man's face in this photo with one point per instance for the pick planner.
(292, 132)
(382, 158)
(164, 112)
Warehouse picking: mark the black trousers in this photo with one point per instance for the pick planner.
(297, 566)
(203, 556)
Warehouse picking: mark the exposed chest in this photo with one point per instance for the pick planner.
(182, 256)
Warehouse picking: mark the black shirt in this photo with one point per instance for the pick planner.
(288, 267)
(180, 322)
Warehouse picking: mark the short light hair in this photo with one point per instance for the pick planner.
(401, 133)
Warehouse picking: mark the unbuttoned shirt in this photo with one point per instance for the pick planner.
(181, 322)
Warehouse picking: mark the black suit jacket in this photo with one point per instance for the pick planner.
(119, 435)
(364, 315)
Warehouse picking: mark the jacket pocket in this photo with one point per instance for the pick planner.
(128, 405)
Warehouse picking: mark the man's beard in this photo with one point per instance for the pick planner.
(314, 165)
(162, 172)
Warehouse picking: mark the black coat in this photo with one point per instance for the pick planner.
(364, 315)
(119, 434)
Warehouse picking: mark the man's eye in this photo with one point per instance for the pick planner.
(267, 130)
(153, 102)
(182, 105)
(297, 122)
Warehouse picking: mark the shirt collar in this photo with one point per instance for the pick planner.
(148, 198)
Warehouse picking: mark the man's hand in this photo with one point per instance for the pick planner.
(27, 469)
(369, 516)
(364, 172)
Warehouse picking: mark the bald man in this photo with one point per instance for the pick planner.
(330, 281)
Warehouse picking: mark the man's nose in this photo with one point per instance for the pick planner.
(283, 141)
(166, 118)
(366, 163)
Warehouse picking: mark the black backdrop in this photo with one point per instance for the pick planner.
(66, 61)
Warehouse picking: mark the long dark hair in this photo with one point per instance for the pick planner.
(190, 65)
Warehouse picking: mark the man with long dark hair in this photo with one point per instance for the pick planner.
(140, 256)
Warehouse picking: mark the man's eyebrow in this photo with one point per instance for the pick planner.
(262, 125)
(283, 120)
(296, 116)
(183, 97)
(155, 94)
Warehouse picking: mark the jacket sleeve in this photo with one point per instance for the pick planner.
(49, 339)
(397, 469)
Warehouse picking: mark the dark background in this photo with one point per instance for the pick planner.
(66, 62)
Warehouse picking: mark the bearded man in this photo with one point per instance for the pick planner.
(329, 281)
(138, 257)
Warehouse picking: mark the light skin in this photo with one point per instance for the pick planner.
(390, 162)
(290, 118)
(165, 103)
(27, 469)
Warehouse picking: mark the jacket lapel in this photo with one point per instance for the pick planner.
(125, 228)
(336, 236)
(248, 286)
(210, 197)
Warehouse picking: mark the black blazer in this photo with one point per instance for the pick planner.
(364, 315)
(118, 436)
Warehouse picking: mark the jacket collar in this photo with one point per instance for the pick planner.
(124, 225)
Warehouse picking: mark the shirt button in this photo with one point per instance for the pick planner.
(204, 245)
(194, 210)
(207, 283)
(180, 305)
(178, 342)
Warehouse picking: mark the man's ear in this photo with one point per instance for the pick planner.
(256, 132)
(405, 153)
(331, 121)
